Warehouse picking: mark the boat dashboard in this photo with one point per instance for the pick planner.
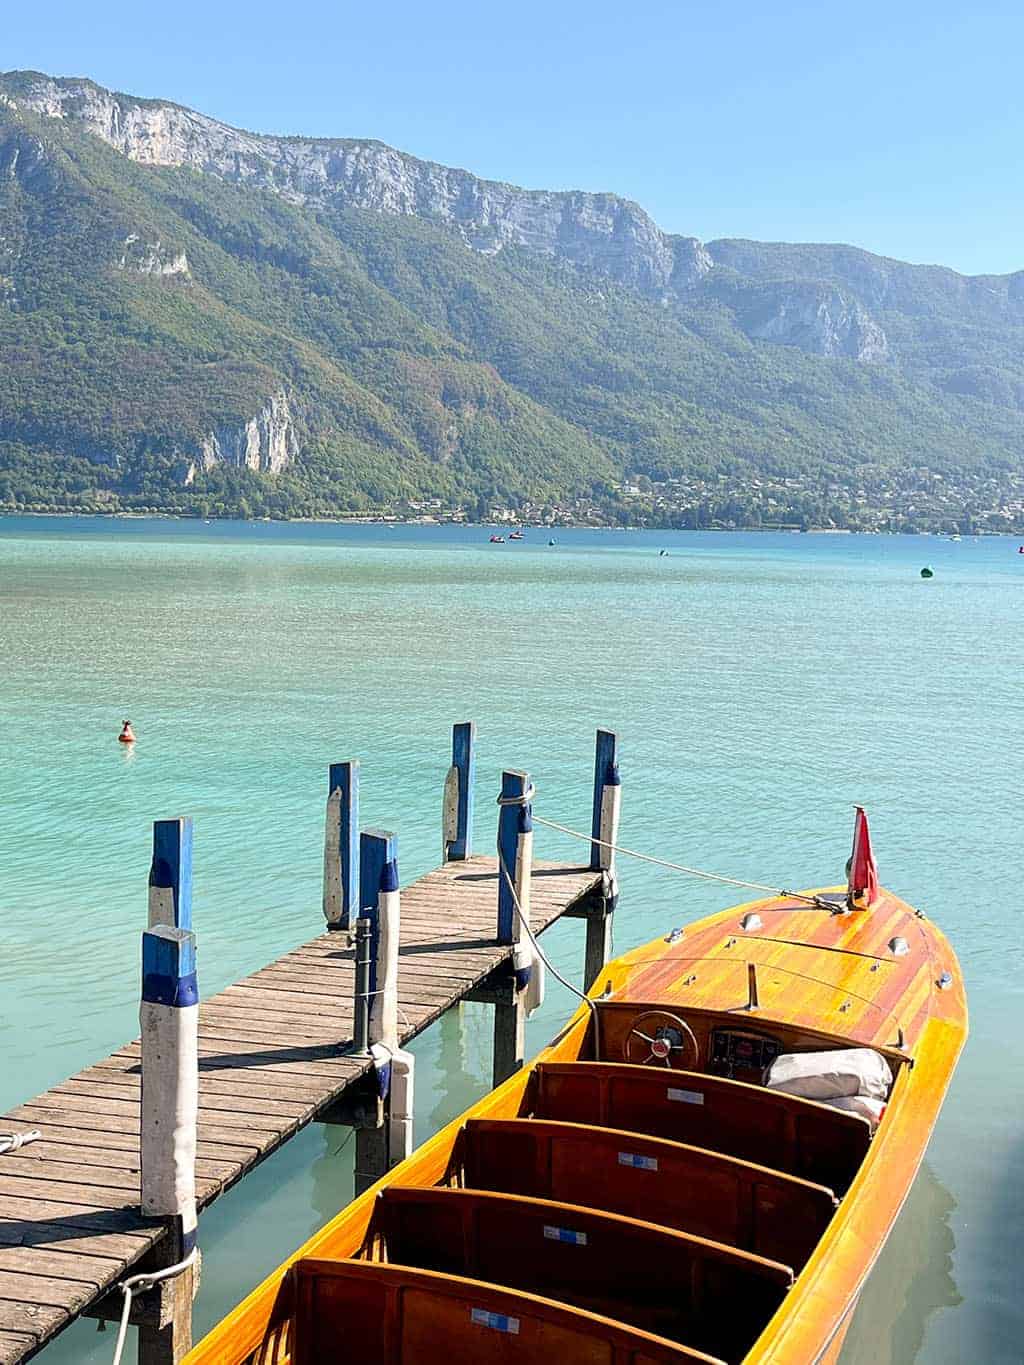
(738, 1054)
(720, 1044)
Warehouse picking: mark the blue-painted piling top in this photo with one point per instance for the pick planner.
(172, 865)
(378, 867)
(606, 774)
(169, 967)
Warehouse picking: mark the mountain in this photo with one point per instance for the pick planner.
(198, 318)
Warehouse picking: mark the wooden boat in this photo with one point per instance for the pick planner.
(638, 1195)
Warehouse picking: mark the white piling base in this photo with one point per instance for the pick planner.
(170, 1103)
(402, 1105)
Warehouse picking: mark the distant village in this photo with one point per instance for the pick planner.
(920, 501)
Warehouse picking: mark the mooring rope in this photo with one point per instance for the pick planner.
(582, 995)
(522, 800)
(138, 1284)
(663, 862)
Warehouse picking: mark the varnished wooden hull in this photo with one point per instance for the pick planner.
(822, 981)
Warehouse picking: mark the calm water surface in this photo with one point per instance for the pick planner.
(761, 685)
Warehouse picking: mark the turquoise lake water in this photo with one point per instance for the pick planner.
(761, 685)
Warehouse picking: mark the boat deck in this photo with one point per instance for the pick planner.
(272, 1058)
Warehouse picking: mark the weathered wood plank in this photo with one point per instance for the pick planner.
(93, 1197)
(211, 1098)
(221, 1079)
(63, 1120)
(74, 1238)
(62, 1264)
(17, 1315)
(61, 1161)
(44, 1289)
(15, 1346)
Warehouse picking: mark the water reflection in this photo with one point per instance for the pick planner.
(452, 1070)
(912, 1279)
(331, 1185)
(452, 1082)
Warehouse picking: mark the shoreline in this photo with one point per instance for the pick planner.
(367, 520)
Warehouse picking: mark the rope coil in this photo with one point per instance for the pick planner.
(11, 1142)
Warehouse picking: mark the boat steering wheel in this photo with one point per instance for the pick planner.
(658, 1038)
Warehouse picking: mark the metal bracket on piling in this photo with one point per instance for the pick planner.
(361, 1000)
(457, 809)
(341, 846)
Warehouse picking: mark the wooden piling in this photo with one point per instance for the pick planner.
(381, 905)
(169, 1019)
(341, 846)
(604, 824)
(605, 830)
(458, 795)
(509, 1029)
(170, 874)
(515, 853)
(515, 863)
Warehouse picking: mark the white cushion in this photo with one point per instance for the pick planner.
(864, 1105)
(826, 1075)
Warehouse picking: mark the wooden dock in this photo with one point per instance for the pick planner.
(274, 1055)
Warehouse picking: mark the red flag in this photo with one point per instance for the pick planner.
(862, 878)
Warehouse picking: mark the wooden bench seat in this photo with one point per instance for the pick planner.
(768, 1212)
(397, 1315)
(700, 1293)
(788, 1133)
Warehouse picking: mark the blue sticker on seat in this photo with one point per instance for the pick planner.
(553, 1234)
(498, 1321)
(638, 1162)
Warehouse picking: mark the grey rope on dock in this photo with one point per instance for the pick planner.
(663, 862)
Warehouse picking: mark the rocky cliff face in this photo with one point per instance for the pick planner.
(595, 231)
(817, 318)
(151, 258)
(23, 158)
(265, 443)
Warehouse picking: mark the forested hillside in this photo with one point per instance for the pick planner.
(268, 327)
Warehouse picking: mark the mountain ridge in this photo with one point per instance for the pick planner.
(51, 95)
(469, 338)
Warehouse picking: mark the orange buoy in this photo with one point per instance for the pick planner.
(127, 735)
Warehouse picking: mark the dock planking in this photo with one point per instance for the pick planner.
(272, 1058)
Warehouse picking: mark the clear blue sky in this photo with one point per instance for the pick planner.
(898, 126)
